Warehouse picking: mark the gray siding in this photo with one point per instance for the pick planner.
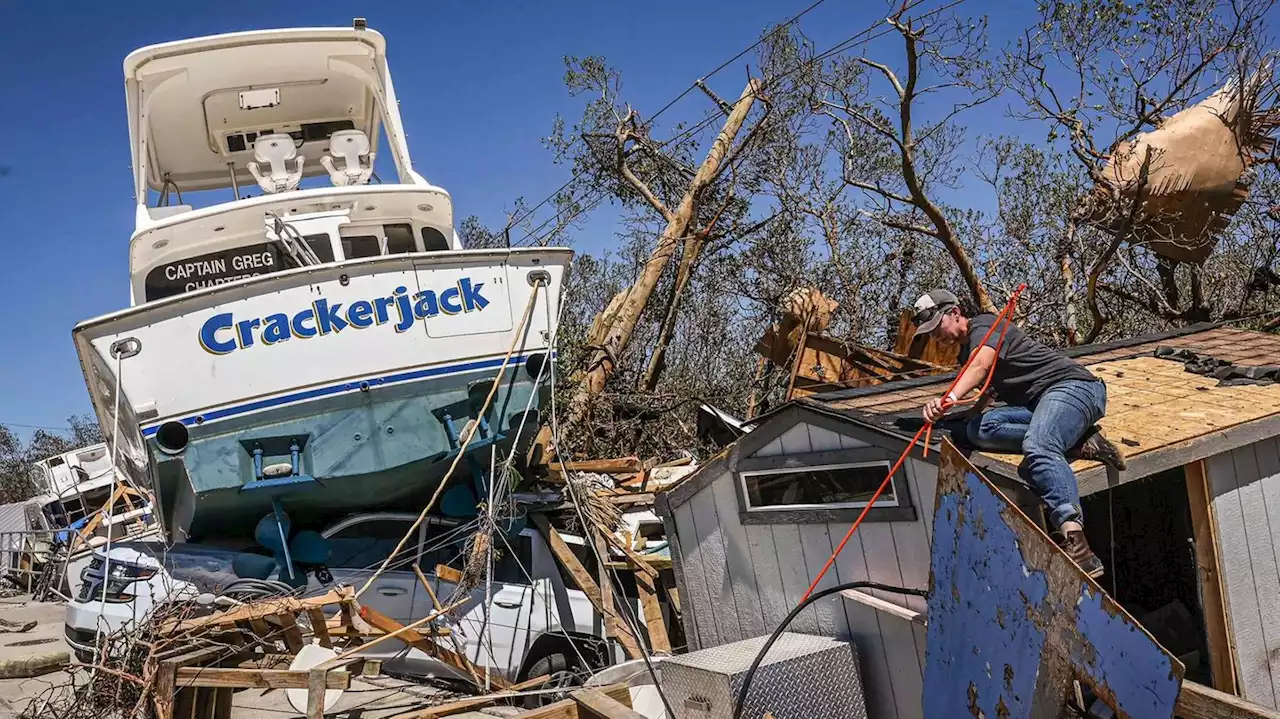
(1244, 485)
(741, 581)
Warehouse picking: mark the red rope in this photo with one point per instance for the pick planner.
(1003, 320)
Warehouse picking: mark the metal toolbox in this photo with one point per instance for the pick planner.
(803, 677)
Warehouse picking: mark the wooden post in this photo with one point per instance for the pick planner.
(315, 694)
(1222, 648)
(659, 641)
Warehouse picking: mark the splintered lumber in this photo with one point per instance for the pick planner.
(659, 641)
(1196, 701)
(616, 465)
(627, 500)
(436, 631)
(320, 627)
(582, 578)
(261, 610)
(461, 705)
(618, 694)
(448, 574)
(424, 643)
(594, 703)
(240, 678)
(641, 564)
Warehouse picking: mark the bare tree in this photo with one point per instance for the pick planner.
(913, 156)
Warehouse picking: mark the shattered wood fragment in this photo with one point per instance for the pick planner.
(320, 628)
(594, 703)
(571, 709)
(1196, 701)
(448, 574)
(659, 641)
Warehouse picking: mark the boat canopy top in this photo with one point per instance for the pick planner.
(197, 107)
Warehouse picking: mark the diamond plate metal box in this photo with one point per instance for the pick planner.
(803, 677)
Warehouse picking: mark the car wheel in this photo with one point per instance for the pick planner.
(564, 675)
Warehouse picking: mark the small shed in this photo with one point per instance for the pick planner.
(1189, 533)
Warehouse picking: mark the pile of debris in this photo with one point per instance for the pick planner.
(188, 659)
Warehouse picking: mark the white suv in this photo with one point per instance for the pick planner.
(538, 623)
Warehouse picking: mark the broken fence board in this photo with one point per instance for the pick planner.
(237, 678)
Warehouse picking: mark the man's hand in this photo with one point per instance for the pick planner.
(934, 411)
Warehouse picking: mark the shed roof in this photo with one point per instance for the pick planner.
(1159, 415)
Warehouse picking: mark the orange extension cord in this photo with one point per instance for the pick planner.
(1003, 320)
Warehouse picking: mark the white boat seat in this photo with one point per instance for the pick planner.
(276, 151)
(349, 146)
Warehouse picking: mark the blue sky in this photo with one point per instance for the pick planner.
(479, 83)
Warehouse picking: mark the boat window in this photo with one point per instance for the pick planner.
(362, 246)
(400, 239)
(321, 246)
(433, 240)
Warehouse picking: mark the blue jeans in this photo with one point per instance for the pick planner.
(1055, 422)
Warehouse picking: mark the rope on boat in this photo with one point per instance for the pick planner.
(470, 433)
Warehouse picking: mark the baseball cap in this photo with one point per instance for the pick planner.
(930, 308)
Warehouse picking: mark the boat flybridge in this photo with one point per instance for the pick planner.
(314, 340)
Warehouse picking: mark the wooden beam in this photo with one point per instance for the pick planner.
(238, 678)
(623, 546)
(1220, 641)
(883, 605)
(320, 627)
(659, 641)
(597, 705)
(260, 610)
(448, 574)
(292, 635)
(1197, 701)
(588, 586)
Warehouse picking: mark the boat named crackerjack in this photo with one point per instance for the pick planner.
(313, 338)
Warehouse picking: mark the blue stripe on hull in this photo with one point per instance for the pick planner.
(350, 386)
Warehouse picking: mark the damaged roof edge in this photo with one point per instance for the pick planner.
(1079, 351)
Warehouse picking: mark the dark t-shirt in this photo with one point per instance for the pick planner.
(1025, 368)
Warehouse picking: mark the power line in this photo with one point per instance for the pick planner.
(63, 428)
(678, 98)
(712, 115)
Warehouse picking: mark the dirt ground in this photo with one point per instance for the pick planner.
(376, 698)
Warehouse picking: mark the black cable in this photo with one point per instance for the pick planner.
(746, 680)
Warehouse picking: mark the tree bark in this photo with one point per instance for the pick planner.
(613, 337)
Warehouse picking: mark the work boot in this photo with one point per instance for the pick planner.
(1076, 547)
(1098, 448)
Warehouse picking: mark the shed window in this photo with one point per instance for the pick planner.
(832, 486)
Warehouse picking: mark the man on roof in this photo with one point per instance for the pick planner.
(1051, 408)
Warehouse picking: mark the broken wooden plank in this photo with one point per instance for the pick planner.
(598, 705)
(583, 579)
(320, 627)
(458, 650)
(640, 562)
(259, 610)
(569, 708)
(292, 635)
(659, 641)
(448, 574)
(1196, 701)
(631, 499)
(240, 678)
(885, 606)
(315, 693)
(1220, 643)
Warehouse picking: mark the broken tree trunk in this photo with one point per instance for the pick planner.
(612, 336)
